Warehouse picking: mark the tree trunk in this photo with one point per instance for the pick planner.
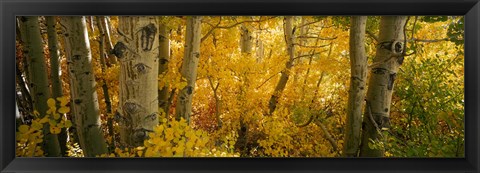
(106, 95)
(260, 53)
(85, 108)
(138, 55)
(104, 23)
(358, 72)
(55, 75)
(380, 87)
(39, 80)
(290, 41)
(164, 55)
(246, 40)
(189, 67)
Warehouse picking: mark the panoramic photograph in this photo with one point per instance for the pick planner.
(240, 86)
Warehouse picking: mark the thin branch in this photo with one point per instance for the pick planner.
(320, 38)
(309, 23)
(405, 36)
(370, 116)
(267, 80)
(430, 41)
(327, 134)
(307, 122)
(308, 55)
(371, 34)
(311, 46)
(238, 23)
(211, 30)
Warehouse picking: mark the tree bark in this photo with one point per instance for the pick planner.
(164, 55)
(358, 72)
(85, 108)
(55, 75)
(105, 25)
(138, 55)
(189, 67)
(39, 80)
(381, 83)
(246, 40)
(290, 41)
(106, 95)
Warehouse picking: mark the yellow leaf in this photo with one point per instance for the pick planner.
(23, 128)
(35, 112)
(54, 130)
(68, 124)
(64, 110)
(140, 153)
(63, 100)
(51, 102)
(56, 116)
(182, 84)
(44, 120)
(51, 110)
(52, 123)
(36, 125)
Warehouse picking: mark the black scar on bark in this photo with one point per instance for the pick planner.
(162, 38)
(189, 90)
(130, 107)
(379, 70)
(163, 60)
(148, 36)
(385, 122)
(400, 60)
(76, 57)
(141, 68)
(152, 116)
(119, 49)
(391, 80)
(77, 101)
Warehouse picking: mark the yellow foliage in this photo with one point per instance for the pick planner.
(30, 137)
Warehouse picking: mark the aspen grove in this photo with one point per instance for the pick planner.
(240, 86)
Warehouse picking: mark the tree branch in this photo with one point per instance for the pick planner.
(211, 30)
(371, 34)
(320, 38)
(311, 46)
(267, 80)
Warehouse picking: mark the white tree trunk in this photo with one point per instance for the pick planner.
(164, 55)
(85, 108)
(189, 67)
(380, 87)
(358, 72)
(39, 80)
(290, 42)
(245, 40)
(137, 52)
(55, 74)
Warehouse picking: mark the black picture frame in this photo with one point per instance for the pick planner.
(11, 8)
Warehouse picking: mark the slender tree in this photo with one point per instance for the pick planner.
(246, 39)
(290, 42)
(137, 52)
(389, 57)
(55, 74)
(189, 67)
(358, 76)
(39, 80)
(164, 55)
(85, 108)
(106, 94)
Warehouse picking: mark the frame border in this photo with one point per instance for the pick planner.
(11, 8)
